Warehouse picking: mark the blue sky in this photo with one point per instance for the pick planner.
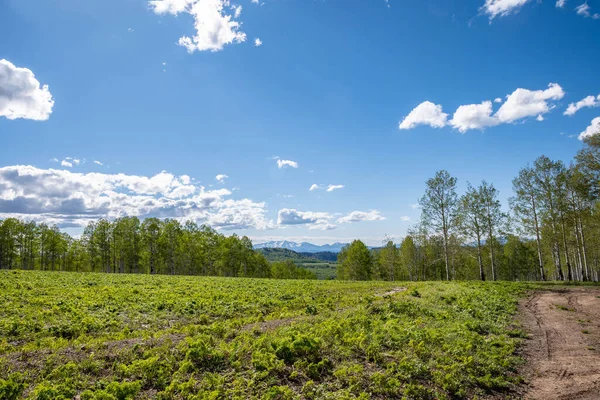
(328, 89)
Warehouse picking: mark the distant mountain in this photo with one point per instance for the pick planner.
(279, 254)
(303, 247)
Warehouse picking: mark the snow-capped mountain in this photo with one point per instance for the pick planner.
(303, 247)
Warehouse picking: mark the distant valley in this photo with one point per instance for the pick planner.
(303, 247)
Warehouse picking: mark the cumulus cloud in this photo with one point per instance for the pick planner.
(66, 163)
(426, 113)
(560, 3)
(357, 216)
(314, 186)
(523, 103)
(473, 116)
(257, 42)
(21, 95)
(286, 163)
(214, 27)
(331, 188)
(591, 130)
(497, 100)
(221, 177)
(314, 220)
(502, 8)
(589, 101)
(73, 199)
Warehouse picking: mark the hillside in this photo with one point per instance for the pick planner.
(280, 254)
(322, 264)
(303, 247)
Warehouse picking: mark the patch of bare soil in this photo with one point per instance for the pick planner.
(393, 291)
(563, 352)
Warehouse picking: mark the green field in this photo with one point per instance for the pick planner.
(108, 336)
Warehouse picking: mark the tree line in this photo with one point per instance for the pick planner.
(551, 232)
(128, 245)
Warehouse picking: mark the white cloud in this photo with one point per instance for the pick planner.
(286, 163)
(314, 186)
(214, 27)
(405, 218)
(502, 8)
(73, 199)
(583, 9)
(426, 113)
(591, 130)
(221, 177)
(254, 1)
(540, 118)
(331, 188)
(497, 100)
(589, 101)
(314, 220)
(523, 103)
(560, 3)
(237, 11)
(66, 163)
(21, 95)
(415, 206)
(357, 216)
(473, 116)
(257, 42)
(98, 162)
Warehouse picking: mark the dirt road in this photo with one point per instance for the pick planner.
(563, 352)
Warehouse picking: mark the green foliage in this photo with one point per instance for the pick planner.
(175, 337)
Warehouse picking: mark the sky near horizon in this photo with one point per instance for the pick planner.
(303, 120)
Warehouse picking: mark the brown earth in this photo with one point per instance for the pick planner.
(563, 349)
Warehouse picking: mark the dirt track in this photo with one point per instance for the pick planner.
(563, 352)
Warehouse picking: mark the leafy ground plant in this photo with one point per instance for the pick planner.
(101, 336)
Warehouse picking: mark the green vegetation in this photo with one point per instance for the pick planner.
(322, 264)
(127, 245)
(124, 336)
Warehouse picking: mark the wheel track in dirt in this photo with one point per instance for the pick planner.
(563, 352)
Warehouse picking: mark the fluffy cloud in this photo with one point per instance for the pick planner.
(323, 220)
(314, 220)
(215, 28)
(314, 186)
(73, 199)
(98, 163)
(286, 163)
(560, 3)
(257, 42)
(221, 177)
(473, 116)
(591, 130)
(589, 101)
(331, 188)
(357, 216)
(21, 95)
(66, 163)
(523, 103)
(502, 8)
(426, 113)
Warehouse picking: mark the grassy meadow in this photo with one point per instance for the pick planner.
(109, 336)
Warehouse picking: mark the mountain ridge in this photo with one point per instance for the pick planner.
(303, 247)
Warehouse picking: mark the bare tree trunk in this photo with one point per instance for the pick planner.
(538, 241)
